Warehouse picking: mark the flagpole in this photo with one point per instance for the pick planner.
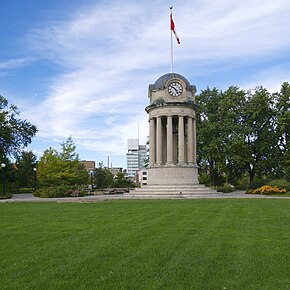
(171, 42)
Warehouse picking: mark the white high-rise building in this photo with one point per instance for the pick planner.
(136, 156)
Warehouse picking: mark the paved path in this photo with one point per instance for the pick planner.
(28, 197)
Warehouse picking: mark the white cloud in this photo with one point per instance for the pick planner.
(111, 52)
(272, 78)
(234, 29)
(15, 63)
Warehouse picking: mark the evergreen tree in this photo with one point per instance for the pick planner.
(24, 173)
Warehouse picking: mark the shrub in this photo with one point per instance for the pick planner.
(59, 191)
(226, 188)
(287, 173)
(217, 178)
(267, 189)
(204, 178)
(280, 183)
(26, 190)
(122, 184)
(242, 184)
(6, 196)
(16, 190)
(257, 183)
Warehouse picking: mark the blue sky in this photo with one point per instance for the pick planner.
(81, 68)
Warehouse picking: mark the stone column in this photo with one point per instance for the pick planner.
(152, 142)
(194, 141)
(181, 139)
(169, 140)
(190, 140)
(159, 141)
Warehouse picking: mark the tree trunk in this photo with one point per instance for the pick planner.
(252, 174)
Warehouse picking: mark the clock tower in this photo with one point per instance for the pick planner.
(172, 166)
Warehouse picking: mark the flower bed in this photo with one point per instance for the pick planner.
(267, 189)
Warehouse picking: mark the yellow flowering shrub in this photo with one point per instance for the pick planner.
(267, 189)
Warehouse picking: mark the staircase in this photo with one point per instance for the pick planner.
(172, 191)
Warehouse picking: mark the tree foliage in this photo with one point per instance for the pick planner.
(283, 126)
(59, 168)
(15, 134)
(103, 178)
(243, 132)
(121, 182)
(68, 152)
(24, 173)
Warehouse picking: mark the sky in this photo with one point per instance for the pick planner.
(82, 68)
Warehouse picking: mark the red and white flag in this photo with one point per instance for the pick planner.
(172, 27)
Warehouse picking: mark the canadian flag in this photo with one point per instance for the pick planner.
(172, 26)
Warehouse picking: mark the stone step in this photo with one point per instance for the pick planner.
(166, 196)
(172, 190)
(173, 186)
(168, 193)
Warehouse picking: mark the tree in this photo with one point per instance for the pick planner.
(57, 168)
(103, 178)
(49, 168)
(121, 182)
(236, 133)
(15, 134)
(283, 116)
(231, 103)
(210, 135)
(258, 150)
(68, 152)
(24, 174)
(283, 127)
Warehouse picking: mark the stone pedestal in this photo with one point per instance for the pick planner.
(172, 175)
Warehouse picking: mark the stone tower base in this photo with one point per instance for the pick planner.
(171, 182)
(175, 175)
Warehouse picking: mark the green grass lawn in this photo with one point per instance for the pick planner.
(146, 244)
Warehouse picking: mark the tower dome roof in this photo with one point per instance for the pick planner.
(160, 83)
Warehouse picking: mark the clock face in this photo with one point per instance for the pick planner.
(175, 89)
